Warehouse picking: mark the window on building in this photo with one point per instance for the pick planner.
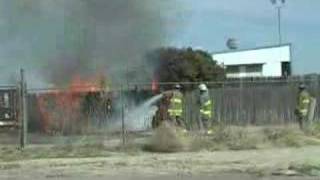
(254, 68)
(233, 69)
(6, 100)
(244, 70)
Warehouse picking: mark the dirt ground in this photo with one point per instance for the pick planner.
(146, 177)
(252, 164)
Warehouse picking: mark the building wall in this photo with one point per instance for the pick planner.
(272, 69)
(270, 57)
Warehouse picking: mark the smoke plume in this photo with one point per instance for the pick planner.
(54, 40)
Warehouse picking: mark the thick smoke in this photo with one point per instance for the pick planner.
(55, 40)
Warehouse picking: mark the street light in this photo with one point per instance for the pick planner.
(279, 4)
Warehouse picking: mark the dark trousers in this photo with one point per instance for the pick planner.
(177, 120)
(302, 120)
(204, 123)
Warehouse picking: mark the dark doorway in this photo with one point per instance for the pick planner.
(286, 69)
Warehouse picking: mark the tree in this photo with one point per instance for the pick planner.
(185, 65)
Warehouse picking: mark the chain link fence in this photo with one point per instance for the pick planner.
(116, 116)
(245, 102)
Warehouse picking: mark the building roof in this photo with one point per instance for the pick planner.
(250, 49)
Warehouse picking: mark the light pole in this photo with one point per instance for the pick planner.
(279, 4)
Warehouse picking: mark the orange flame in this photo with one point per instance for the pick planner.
(63, 107)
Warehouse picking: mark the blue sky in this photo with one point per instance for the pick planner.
(209, 23)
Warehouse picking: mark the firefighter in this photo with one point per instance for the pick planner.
(105, 107)
(108, 107)
(303, 105)
(206, 105)
(175, 109)
(162, 111)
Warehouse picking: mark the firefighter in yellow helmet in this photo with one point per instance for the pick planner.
(206, 105)
(175, 109)
(303, 105)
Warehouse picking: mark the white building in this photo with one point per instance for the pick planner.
(271, 61)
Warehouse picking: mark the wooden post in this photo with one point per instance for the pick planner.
(23, 117)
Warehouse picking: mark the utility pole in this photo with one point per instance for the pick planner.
(23, 116)
(279, 25)
(279, 4)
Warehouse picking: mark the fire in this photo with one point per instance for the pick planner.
(79, 85)
(61, 109)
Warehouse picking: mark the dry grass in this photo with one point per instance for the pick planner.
(224, 138)
(166, 138)
(242, 139)
(310, 169)
(314, 130)
(287, 137)
(291, 137)
(78, 149)
(170, 139)
(245, 138)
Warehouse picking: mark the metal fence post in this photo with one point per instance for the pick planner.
(122, 116)
(23, 110)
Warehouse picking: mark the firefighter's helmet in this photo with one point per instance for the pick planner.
(177, 86)
(203, 87)
(302, 86)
